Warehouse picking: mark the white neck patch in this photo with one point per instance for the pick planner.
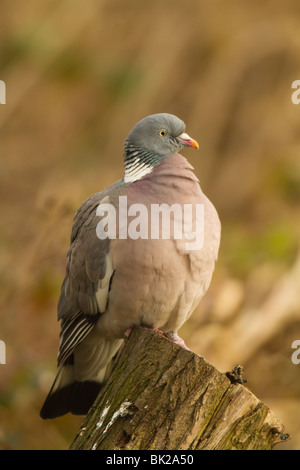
(136, 171)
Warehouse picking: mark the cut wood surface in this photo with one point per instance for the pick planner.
(162, 397)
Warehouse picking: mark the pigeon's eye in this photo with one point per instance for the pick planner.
(162, 133)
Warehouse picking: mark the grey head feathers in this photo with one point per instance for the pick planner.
(157, 133)
(150, 141)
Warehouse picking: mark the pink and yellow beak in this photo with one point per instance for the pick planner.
(187, 141)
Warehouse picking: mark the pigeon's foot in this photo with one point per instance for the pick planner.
(127, 333)
(156, 330)
(176, 339)
(170, 335)
(129, 330)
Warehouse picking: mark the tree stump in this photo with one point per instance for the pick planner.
(162, 397)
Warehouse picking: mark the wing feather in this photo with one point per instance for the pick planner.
(89, 271)
(73, 330)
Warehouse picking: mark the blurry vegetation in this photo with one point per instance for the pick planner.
(78, 78)
(244, 248)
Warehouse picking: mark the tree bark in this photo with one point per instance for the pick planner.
(162, 397)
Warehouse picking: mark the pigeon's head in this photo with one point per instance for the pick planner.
(161, 134)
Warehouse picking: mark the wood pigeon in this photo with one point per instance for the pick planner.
(124, 268)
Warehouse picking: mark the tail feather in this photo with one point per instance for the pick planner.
(80, 378)
(76, 397)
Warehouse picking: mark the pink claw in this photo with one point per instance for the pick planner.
(127, 332)
(171, 336)
(154, 329)
(177, 340)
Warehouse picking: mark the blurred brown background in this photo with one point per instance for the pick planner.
(78, 76)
